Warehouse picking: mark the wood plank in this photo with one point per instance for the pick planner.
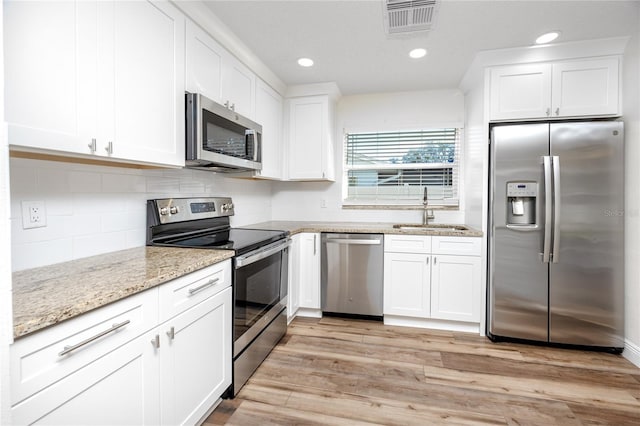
(509, 368)
(339, 371)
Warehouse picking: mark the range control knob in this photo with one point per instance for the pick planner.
(164, 211)
(174, 210)
(225, 207)
(230, 206)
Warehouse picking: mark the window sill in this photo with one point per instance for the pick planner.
(395, 207)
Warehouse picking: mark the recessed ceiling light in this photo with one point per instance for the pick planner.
(548, 37)
(418, 53)
(305, 62)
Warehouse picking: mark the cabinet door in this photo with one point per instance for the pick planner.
(520, 91)
(50, 72)
(586, 88)
(239, 87)
(310, 270)
(407, 284)
(293, 298)
(204, 63)
(308, 127)
(455, 288)
(196, 359)
(121, 388)
(269, 115)
(145, 121)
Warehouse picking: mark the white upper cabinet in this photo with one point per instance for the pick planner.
(269, 109)
(520, 91)
(204, 63)
(586, 88)
(213, 72)
(555, 90)
(82, 79)
(148, 81)
(50, 74)
(311, 154)
(239, 87)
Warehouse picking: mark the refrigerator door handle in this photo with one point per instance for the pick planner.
(546, 250)
(555, 253)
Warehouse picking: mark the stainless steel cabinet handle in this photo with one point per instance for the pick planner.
(109, 148)
(209, 283)
(435, 260)
(171, 333)
(314, 244)
(548, 112)
(156, 341)
(557, 111)
(114, 327)
(555, 253)
(427, 260)
(354, 242)
(93, 145)
(226, 104)
(233, 107)
(546, 245)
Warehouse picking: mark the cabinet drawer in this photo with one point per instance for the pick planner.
(189, 290)
(38, 360)
(469, 246)
(407, 243)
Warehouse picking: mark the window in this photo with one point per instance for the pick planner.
(392, 168)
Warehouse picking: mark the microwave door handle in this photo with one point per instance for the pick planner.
(255, 142)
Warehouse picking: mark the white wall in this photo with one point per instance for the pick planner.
(371, 112)
(98, 209)
(6, 321)
(631, 104)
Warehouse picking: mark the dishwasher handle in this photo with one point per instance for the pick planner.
(363, 242)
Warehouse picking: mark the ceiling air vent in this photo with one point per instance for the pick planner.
(404, 16)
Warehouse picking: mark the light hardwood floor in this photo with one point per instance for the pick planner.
(346, 372)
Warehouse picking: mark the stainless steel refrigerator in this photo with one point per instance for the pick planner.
(556, 233)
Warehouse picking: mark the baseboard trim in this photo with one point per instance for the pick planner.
(309, 312)
(632, 352)
(465, 327)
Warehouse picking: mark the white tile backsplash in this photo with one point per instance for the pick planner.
(99, 209)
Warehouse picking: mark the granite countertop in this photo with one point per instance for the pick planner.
(295, 227)
(48, 295)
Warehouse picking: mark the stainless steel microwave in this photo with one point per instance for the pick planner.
(219, 139)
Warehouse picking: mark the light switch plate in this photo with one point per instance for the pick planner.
(34, 214)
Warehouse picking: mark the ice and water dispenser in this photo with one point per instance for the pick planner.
(521, 203)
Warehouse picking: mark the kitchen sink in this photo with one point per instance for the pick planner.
(432, 227)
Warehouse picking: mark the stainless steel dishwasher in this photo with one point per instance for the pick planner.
(352, 266)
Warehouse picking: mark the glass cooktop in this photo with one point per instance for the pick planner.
(239, 239)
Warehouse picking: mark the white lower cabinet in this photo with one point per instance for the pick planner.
(455, 288)
(129, 362)
(432, 277)
(195, 363)
(120, 388)
(309, 278)
(293, 295)
(406, 284)
(304, 278)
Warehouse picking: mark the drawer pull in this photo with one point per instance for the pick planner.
(68, 349)
(209, 283)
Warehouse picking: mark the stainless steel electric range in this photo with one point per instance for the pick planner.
(260, 271)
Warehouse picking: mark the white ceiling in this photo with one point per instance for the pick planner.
(346, 39)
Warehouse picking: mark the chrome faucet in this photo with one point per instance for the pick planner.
(426, 213)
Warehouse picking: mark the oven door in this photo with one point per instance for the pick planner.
(260, 291)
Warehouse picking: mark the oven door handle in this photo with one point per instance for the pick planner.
(261, 253)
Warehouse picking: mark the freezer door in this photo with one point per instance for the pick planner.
(586, 285)
(518, 277)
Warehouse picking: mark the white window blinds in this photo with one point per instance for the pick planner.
(392, 168)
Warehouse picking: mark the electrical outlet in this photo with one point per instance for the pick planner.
(34, 214)
(323, 203)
